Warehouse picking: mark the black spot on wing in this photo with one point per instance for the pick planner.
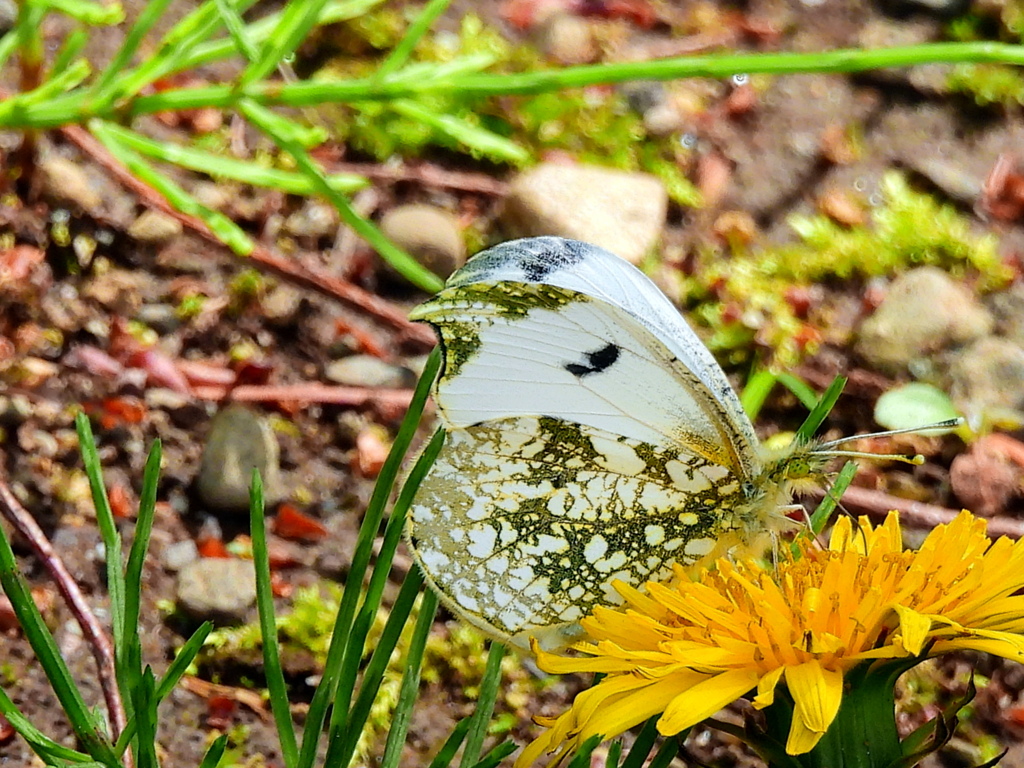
(596, 361)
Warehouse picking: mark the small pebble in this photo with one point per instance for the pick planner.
(314, 219)
(154, 227)
(925, 312)
(239, 441)
(431, 235)
(369, 371)
(217, 589)
(65, 182)
(566, 39)
(179, 554)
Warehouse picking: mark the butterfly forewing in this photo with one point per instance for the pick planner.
(525, 337)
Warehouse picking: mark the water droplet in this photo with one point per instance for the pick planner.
(874, 200)
(741, 79)
(860, 185)
(688, 141)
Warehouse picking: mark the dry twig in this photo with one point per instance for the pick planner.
(914, 514)
(99, 642)
(291, 270)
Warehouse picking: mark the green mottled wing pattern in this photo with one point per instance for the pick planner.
(524, 523)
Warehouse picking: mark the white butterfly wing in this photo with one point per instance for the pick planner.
(552, 327)
(523, 524)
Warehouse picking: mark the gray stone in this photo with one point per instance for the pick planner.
(623, 212)
(281, 303)
(8, 15)
(65, 182)
(956, 182)
(924, 313)
(430, 235)
(217, 589)
(162, 318)
(154, 227)
(368, 371)
(179, 554)
(1008, 309)
(987, 378)
(239, 440)
(313, 219)
(566, 38)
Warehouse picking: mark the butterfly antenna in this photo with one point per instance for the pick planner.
(947, 424)
(831, 446)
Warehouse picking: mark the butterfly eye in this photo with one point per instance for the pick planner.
(798, 469)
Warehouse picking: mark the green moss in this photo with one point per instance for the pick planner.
(190, 306)
(988, 84)
(908, 229)
(307, 628)
(459, 659)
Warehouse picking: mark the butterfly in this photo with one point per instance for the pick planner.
(590, 437)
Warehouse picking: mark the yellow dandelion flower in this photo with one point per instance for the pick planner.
(689, 648)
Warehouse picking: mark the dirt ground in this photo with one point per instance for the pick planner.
(776, 166)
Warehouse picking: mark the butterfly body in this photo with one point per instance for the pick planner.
(590, 437)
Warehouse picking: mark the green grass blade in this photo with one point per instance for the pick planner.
(236, 30)
(93, 14)
(643, 744)
(102, 93)
(40, 743)
(493, 758)
(56, 85)
(614, 754)
(175, 47)
(8, 45)
(484, 706)
(477, 140)
(668, 751)
(821, 515)
(345, 732)
(401, 52)
(49, 656)
(146, 718)
(820, 411)
(804, 393)
(71, 47)
(105, 522)
(216, 751)
(218, 166)
(318, 707)
(450, 748)
(756, 391)
(581, 758)
(277, 129)
(410, 683)
(276, 685)
(182, 659)
(259, 31)
(356, 639)
(297, 19)
(224, 228)
(140, 544)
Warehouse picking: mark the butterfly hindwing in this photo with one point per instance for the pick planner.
(554, 513)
